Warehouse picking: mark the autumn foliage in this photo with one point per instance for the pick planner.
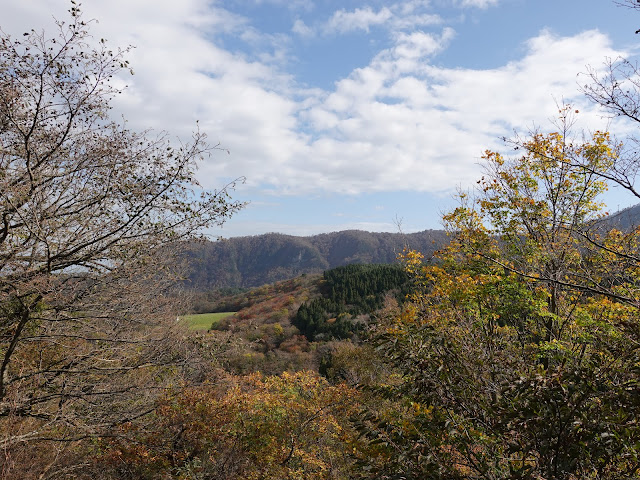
(519, 352)
(252, 427)
(515, 353)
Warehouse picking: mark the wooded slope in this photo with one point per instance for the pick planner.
(258, 260)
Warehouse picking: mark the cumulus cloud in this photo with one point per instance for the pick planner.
(417, 45)
(478, 3)
(394, 17)
(400, 122)
(403, 124)
(302, 29)
(360, 19)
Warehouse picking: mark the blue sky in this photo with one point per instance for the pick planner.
(353, 114)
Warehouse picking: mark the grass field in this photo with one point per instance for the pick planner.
(203, 321)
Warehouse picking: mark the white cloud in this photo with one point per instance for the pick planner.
(407, 22)
(302, 29)
(395, 17)
(416, 45)
(398, 123)
(478, 3)
(360, 19)
(404, 124)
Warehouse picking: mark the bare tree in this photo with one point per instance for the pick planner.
(634, 4)
(91, 215)
(617, 90)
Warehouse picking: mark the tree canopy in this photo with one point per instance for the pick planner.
(91, 214)
(519, 351)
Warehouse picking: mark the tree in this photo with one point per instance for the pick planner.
(633, 4)
(92, 215)
(253, 427)
(519, 352)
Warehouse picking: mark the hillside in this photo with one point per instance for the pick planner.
(253, 261)
(625, 220)
(296, 324)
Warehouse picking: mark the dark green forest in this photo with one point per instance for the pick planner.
(348, 292)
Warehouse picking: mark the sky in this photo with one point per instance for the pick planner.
(364, 115)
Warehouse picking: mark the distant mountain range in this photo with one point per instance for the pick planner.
(258, 260)
(263, 259)
(626, 219)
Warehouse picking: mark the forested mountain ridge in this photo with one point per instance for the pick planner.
(258, 260)
(625, 220)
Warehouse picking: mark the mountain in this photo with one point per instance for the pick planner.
(258, 260)
(247, 262)
(625, 220)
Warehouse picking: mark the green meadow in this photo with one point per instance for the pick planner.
(204, 321)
